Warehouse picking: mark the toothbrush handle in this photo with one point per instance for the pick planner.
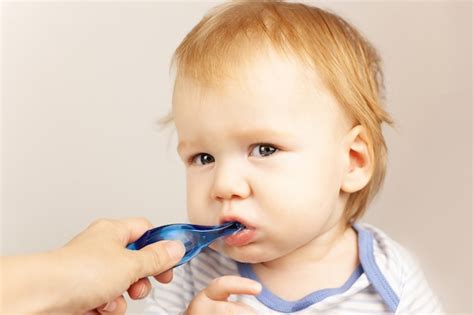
(150, 236)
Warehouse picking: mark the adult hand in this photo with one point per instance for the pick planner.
(90, 273)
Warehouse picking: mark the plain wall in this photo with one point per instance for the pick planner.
(84, 83)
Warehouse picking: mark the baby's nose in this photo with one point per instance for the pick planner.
(230, 182)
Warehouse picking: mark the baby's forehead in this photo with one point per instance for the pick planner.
(269, 86)
(253, 114)
(263, 74)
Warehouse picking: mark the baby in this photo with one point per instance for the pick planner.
(278, 112)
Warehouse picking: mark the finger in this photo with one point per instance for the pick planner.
(139, 289)
(165, 277)
(115, 307)
(220, 288)
(233, 308)
(133, 228)
(157, 258)
(121, 306)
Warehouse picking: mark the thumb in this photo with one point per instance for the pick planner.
(158, 257)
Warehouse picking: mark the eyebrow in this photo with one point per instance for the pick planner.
(260, 132)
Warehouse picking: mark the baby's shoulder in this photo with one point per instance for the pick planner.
(395, 273)
(395, 261)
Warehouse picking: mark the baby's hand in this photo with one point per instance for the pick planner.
(213, 299)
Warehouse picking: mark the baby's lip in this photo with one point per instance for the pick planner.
(225, 219)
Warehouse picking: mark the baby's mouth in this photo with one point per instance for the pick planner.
(235, 219)
(242, 237)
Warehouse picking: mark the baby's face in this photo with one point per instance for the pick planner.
(265, 151)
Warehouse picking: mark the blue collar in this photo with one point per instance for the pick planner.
(367, 265)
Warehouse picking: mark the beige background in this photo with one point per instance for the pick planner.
(83, 84)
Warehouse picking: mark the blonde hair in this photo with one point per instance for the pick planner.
(347, 63)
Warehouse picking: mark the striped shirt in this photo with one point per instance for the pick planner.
(388, 280)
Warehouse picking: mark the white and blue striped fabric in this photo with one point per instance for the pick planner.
(388, 280)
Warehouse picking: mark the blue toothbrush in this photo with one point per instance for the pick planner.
(194, 237)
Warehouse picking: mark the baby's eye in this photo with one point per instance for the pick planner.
(203, 158)
(265, 149)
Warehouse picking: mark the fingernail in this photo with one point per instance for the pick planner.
(110, 307)
(142, 293)
(258, 287)
(175, 249)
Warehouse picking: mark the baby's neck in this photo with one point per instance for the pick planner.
(326, 262)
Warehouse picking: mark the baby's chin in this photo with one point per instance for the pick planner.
(251, 253)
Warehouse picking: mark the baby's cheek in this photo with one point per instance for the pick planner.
(197, 217)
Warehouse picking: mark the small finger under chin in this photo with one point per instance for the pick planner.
(221, 288)
(234, 308)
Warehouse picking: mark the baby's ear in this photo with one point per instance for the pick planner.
(358, 163)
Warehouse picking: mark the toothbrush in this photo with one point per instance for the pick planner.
(194, 237)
